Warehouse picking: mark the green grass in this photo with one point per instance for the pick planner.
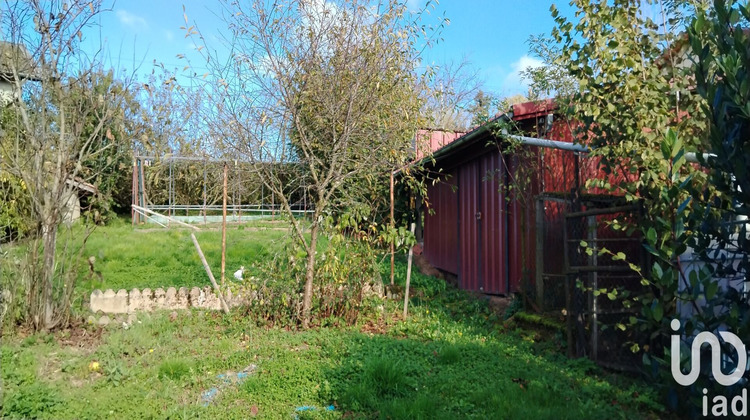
(153, 257)
(452, 358)
(175, 369)
(401, 374)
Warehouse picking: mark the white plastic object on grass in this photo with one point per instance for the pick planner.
(238, 274)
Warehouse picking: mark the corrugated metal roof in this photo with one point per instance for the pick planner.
(428, 141)
(533, 109)
(518, 112)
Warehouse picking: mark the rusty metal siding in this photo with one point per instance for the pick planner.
(494, 253)
(554, 218)
(468, 206)
(515, 238)
(441, 228)
(492, 225)
(482, 226)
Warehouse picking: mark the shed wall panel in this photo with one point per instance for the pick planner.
(468, 206)
(492, 225)
(441, 227)
(521, 219)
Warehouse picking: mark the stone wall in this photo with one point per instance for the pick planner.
(124, 302)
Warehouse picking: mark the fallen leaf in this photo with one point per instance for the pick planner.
(254, 410)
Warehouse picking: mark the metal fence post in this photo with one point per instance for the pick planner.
(594, 283)
(540, 253)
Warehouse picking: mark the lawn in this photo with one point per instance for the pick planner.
(452, 358)
(151, 256)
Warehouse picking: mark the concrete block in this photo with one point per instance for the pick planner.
(170, 299)
(120, 302)
(183, 300)
(135, 301)
(96, 300)
(159, 299)
(212, 302)
(197, 298)
(147, 302)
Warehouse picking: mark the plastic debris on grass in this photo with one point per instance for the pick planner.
(227, 379)
(312, 408)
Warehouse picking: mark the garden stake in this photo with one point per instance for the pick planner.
(408, 274)
(224, 305)
(224, 228)
(392, 239)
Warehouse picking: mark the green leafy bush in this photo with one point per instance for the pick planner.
(15, 208)
(347, 274)
(31, 400)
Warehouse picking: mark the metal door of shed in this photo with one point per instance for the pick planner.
(483, 225)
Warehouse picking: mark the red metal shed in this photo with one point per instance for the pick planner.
(475, 226)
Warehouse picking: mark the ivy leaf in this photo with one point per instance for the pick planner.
(657, 311)
(711, 288)
(683, 205)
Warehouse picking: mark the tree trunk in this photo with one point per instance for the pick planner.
(309, 275)
(49, 242)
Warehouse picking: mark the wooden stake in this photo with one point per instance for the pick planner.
(171, 182)
(205, 194)
(142, 189)
(408, 274)
(224, 228)
(393, 250)
(239, 192)
(224, 305)
(135, 191)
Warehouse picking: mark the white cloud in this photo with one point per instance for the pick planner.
(513, 81)
(131, 20)
(414, 5)
(168, 35)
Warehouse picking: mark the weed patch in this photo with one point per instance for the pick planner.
(31, 401)
(175, 369)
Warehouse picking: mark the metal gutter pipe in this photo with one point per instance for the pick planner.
(574, 147)
(552, 144)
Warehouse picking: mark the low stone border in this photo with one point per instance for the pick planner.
(124, 302)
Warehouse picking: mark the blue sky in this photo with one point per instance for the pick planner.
(491, 34)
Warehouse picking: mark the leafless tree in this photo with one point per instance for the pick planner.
(449, 93)
(62, 117)
(324, 87)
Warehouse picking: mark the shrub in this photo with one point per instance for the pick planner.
(15, 209)
(346, 268)
(31, 400)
